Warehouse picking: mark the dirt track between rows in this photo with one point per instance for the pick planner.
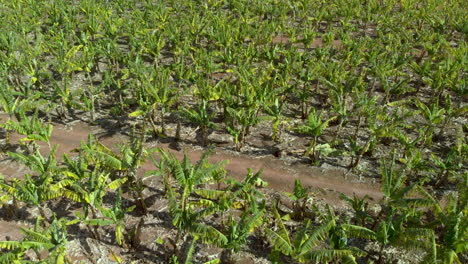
(280, 176)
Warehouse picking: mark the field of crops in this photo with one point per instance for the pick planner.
(137, 131)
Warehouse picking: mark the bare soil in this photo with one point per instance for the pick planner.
(280, 173)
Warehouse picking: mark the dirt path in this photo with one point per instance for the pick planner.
(10, 231)
(276, 172)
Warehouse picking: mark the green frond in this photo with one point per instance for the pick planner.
(11, 257)
(50, 194)
(208, 234)
(202, 203)
(101, 147)
(15, 126)
(191, 114)
(35, 236)
(119, 234)
(75, 196)
(98, 222)
(299, 190)
(325, 255)
(282, 231)
(9, 189)
(116, 183)
(450, 257)
(356, 251)
(210, 193)
(170, 194)
(317, 235)
(9, 245)
(302, 234)
(4, 198)
(214, 261)
(61, 184)
(418, 202)
(359, 231)
(107, 159)
(461, 246)
(253, 221)
(178, 172)
(36, 137)
(279, 242)
(206, 212)
(186, 163)
(205, 174)
(416, 238)
(431, 255)
(325, 124)
(190, 251)
(348, 259)
(25, 159)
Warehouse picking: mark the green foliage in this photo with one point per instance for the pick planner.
(202, 116)
(53, 238)
(113, 216)
(447, 246)
(360, 207)
(305, 245)
(31, 127)
(186, 217)
(314, 126)
(367, 77)
(274, 111)
(239, 230)
(44, 185)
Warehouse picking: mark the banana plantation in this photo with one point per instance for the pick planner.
(233, 131)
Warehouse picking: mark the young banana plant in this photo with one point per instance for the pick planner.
(154, 94)
(161, 94)
(300, 197)
(433, 115)
(447, 246)
(392, 231)
(113, 216)
(238, 230)
(188, 215)
(314, 126)
(10, 105)
(54, 239)
(43, 185)
(202, 116)
(448, 166)
(31, 127)
(340, 107)
(365, 107)
(125, 164)
(88, 189)
(383, 127)
(306, 245)
(274, 111)
(66, 64)
(241, 120)
(360, 207)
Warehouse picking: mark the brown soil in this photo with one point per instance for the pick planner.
(279, 174)
(10, 230)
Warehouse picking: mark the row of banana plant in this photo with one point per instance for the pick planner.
(374, 80)
(206, 206)
(374, 76)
